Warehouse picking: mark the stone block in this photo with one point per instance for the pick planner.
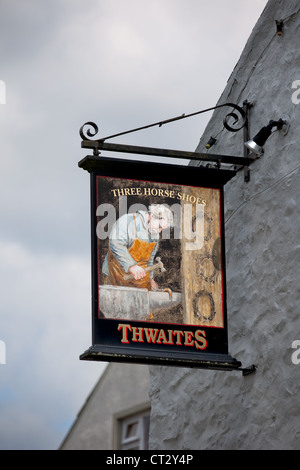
(126, 303)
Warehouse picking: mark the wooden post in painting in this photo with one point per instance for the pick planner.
(201, 258)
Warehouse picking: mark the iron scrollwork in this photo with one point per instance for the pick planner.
(235, 117)
(88, 124)
(237, 114)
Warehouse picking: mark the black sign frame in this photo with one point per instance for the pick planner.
(119, 340)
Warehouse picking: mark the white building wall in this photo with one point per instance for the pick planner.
(199, 409)
(121, 391)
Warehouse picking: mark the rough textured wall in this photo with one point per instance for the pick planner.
(198, 409)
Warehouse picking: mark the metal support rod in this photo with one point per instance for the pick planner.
(248, 370)
(246, 106)
(133, 149)
(89, 140)
(232, 114)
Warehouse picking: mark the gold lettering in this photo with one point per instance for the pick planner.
(188, 338)
(178, 333)
(199, 335)
(124, 328)
(151, 334)
(170, 341)
(137, 334)
(162, 337)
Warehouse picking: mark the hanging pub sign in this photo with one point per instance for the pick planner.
(158, 264)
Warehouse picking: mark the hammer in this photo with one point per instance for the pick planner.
(158, 265)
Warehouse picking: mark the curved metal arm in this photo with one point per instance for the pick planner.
(92, 133)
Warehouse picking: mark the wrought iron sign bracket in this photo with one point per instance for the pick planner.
(89, 130)
(128, 325)
(248, 370)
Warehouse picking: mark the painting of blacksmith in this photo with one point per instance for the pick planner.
(133, 245)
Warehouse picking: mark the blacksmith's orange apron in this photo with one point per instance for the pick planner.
(141, 252)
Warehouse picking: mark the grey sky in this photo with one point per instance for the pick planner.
(121, 64)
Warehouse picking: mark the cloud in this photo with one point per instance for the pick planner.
(45, 323)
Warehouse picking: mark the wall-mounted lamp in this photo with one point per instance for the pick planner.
(256, 144)
(279, 27)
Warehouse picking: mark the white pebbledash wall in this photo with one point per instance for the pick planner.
(199, 409)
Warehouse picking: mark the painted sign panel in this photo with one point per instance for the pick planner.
(157, 266)
(156, 241)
